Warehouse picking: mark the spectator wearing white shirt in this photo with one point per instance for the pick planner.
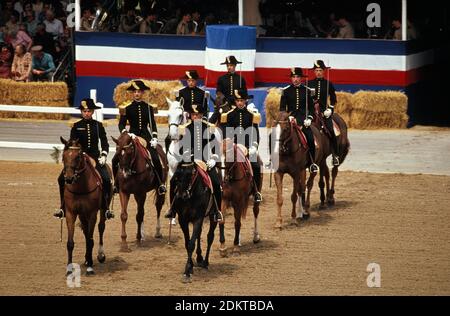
(52, 25)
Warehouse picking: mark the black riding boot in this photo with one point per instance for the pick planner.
(215, 209)
(171, 213)
(333, 140)
(60, 212)
(106, 190)
(115, 169)
(158, 169)
(256, 181)
(312, 149)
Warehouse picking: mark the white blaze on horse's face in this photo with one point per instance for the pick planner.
(174, 117)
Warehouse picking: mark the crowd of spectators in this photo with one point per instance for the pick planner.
(273, 18)
(34, 37)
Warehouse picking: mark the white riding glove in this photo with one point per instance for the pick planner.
(327, 113)
(252, 151)
(291, 118)
(102, 159)
(307, 122)
(133, 136)
(154, 142)
(211, 163)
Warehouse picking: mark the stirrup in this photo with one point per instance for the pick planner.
(170, 214)
(258, 197)
(109, 214)
(59, 213)
(313, 168)
(162, 189)
(218, 217)
(335, 161)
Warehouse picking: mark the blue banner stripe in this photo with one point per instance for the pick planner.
(230, 37)
(140, 40)
(330, 46)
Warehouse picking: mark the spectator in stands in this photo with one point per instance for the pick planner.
(19, 7)
(27, 7)
(43, 66)
(21, 37)
(150, 24)
(31, 22)
(38, 6)
(86, 21)
(7, 11)
(42, 14)
(52, 25)
(196, 24)
(45, 40)
(21, 66)
(183, 26)
(345, 28)
(396, 31)
(129, 22)
(5, 60)
(12, 25)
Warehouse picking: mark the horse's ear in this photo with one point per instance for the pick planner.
(115, 140)
(63, 141)
(169, 102)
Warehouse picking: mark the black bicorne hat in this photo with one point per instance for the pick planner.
(231, 60)
(88, 103)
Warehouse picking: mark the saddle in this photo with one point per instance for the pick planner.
(202, 172)
(141, 147)
(301, 135)
(242, 158)
(92, 163)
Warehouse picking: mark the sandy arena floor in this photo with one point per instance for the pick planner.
(399, 221)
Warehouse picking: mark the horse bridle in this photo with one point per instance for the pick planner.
(283, 147)
(77, 171)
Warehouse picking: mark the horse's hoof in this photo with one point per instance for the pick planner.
(125, 249)
(322, 207)
(306, 216)
(294, 221)
(307, 206)
(236, 252)
(256, 239)
(101, 257)
(331, 202)
(278, 225)
(90, 271)
(187, 279)
(223, 252)
(158, 236)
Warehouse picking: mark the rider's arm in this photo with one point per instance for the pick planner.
(103, 138)
(154, 128)
(333, 98)
(122, 122)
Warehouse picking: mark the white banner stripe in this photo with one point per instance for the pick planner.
(214, 58)
(140, 55)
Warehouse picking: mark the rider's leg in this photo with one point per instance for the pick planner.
(60, 212)
(115, 168)
(171, 213)
(158, 169)
(256, 180)
(333, 139)
(103, 170)
(217, 195)
(312, 149)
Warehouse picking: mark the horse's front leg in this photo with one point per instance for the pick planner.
(330, 199)
(237, 229)
(302, 213)
(140, 201)
(279, 184)
(309, 186)
(88, 230)
(212, 228)
(101, 229)
(124, 199)
(256, 237)
(70, 221)
(223, 247)
(160, 199)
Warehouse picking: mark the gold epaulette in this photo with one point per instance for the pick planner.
(256, 118)
(224, 116)
(72, 123)
(182, 128)
(123, 106)
(210, 125)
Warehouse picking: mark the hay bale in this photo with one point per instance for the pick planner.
(383, 109)
(36, 94)
(344, 106)
(157, 94)
(272, 105)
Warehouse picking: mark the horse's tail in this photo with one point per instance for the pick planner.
(344, 143)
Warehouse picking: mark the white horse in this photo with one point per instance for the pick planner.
(175, 117)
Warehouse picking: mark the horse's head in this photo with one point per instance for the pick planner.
(175, 118)
(127, 150)
(283, 130)
(73, 160)
(183, 178)
(221, 102)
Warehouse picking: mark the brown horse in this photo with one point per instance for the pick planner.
(221, 105)
(83, 198)
(343, 147)
(237, 187)
(291, 157)
(137, 176)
